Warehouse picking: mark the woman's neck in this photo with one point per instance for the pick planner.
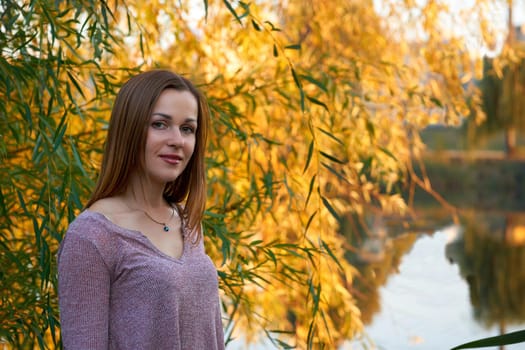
(144, 195)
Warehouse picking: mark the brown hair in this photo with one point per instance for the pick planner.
(126, 139)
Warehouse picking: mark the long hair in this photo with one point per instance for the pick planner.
(126, 140)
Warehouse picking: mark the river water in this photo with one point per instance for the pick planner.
(427, 303)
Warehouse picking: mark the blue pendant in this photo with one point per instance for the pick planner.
(166, 228)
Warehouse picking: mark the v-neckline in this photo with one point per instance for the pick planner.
(179, 259)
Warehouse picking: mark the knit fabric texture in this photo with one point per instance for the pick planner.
(118, 291)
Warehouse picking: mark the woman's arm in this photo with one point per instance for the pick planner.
(83, 294)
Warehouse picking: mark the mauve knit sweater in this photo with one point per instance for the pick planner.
(118, 291)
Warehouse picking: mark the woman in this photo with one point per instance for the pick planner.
(132, 271)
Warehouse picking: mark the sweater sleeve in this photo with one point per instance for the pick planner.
(83, 291)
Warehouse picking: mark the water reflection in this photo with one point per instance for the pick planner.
(485, 256)
(490, 253)
(377, 256)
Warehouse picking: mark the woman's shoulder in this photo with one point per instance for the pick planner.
(87, 219)
(102, 213)
(106, 206)
(94, 224)
(89, 226)
(88, 233)
(91, 231)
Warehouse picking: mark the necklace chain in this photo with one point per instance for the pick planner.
(165, 224)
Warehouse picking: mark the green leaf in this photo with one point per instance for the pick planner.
(272, 27)
(370, 128)
(293, 47)
(309, 156)
(332, 136)
(59, 132)
(256, 26)
(272, 256)
(317, 102)
(315, 82)
(436, 102)
(312, 182)
(504, 339)
(75, 82)
(332, 158)
(141, 44)
(335, 172)
(388, 153)
(205, 9)
(76, 157)
(329, 251)
(301, 93)
(367, 164)
(296, 79)
(232, 10)
(330, 208)
(310, 219)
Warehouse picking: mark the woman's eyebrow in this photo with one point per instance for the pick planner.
(167, 116)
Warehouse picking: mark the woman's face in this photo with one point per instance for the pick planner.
(171, 135)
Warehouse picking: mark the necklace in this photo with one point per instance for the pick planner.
(164, 224)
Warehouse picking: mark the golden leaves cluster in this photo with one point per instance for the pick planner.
(316, 111)
(317, 107)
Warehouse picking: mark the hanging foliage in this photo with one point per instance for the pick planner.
(316, 110)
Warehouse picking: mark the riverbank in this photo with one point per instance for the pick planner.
(482, 180)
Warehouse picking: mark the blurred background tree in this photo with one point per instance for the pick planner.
(503, 87)
(316, 112)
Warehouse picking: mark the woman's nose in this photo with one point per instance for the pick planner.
(176, 138)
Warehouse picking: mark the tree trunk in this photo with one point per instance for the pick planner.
(510, 131)
(510, 141)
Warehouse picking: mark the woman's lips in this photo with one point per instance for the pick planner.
(171, 159)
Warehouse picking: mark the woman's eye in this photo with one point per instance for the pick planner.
(158, 125)
(187, 129)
